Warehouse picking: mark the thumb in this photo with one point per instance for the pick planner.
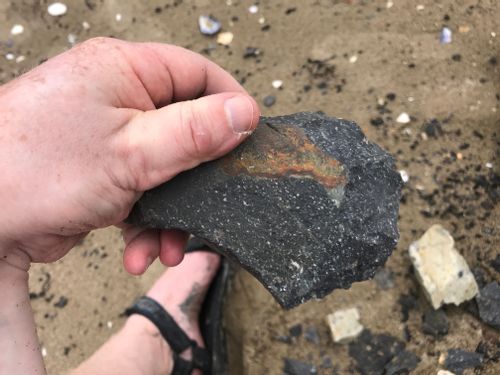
(156, 145)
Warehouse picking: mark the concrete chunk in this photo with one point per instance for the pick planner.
(344, 324)
(441, 270)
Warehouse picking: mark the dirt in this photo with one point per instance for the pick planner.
(353, 59)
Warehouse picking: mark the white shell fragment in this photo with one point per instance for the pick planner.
(344, 325)
(57, 9)
(17, 29)
(253, 9)
(441, 270)
(404, 176)
(225, 38)
(403, 118)
(445, 36)
(209, 25)
(277, 83)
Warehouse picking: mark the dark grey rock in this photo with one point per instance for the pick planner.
(403, 363)
(458, 360)
(435, 323)
(296, 330)
(372, 353)
(311, 335)
(326, 362)
(269, 101)
(488, 302)
(306, 204)
(294, 367)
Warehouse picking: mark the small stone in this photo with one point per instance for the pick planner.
(209, 25)
(295, 367)
(118, 17)
(311, 335)
(463, 29)
(441, 270)
(109, 324)
(253, 9)
(20, 59)
(403, 118)
(225, 38)
(377, 121)
(85, 25)
(296, 330)
(72, 39)
(10, 56)
(63, 301)
(444, 372)
(458, 360)
(57, 9)
(269, 100)
(435, 323)
(420, 7)
(488, 302)
(44, 351)
(445, 36)
(277, 83)
(383, 277)
(402, 363)
(353, 59)
(495, 263)
(344, 325)
(17, 29)
(372, 353)
(433, 128)
(404, 176)
(251, 52)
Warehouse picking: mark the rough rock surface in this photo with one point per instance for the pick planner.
(306, 205)
(488, 302)
(458, 360)
(435, 323)
(442, 271)
(294, 367)
(344, 325)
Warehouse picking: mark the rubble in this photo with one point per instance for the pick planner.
(344, 325)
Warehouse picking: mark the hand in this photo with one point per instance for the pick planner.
(84, 134)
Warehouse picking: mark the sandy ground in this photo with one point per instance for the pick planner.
(371, 51)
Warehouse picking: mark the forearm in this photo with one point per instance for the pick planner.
(19, 348)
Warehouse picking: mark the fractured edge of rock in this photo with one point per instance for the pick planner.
(306, 204)
(441, 270)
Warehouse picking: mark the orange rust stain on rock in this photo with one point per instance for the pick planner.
(284, 151)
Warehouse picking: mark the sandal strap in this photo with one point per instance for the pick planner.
(174, 335)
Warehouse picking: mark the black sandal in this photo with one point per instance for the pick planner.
(213, 358)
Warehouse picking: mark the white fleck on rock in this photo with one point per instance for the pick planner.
(344, 324)
(57, 9)
(225, 38)
(403, 118)
(17, 29)
(440, 269)
(277, 83)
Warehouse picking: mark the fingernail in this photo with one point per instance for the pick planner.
(239, 110)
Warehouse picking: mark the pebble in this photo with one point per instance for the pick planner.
(433, 128)
(353, 59)
(420, 7)
(251, 52)
(402, 363)
(20, 58)
(17, 29)
(208, 25)
(253, 9)
(118, 17)
(403, 118)
(445, 36)
(404, 176)
(72, 39)
(225, 38)
(458, 360)
(435, 323)
(488, 302)
(277, 83)
(311, 335)
(295, 367)
(296, 330)
(57, 9)
(10, 56)
(269, 101)
(85, 25)
(444, 372)
(344, 325)
(440, 269)
(44, 351)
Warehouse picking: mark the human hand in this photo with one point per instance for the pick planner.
(85, 133)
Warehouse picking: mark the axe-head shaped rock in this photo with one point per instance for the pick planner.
(306, 204)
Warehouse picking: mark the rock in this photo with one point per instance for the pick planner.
(344, 325)
(488, 303)
(495, 263)
(294, 367)
(403, 363)
(372, 353)
(408, 302)
(311, 335)
(403, 118)
(383, 278)
(57, 9)
(457, 360)
(306, 204)
(445, 372)
(433, 128)
(296, 330)
(225, 38)
(435, 323)
(209, 25)
(442, 271)
(269, 101)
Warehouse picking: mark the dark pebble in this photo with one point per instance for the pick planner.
(377, 121)
(458, 360)
(488, 302)
(269, 101)
(391, 96)
(403, 363)
(63, 301)
(493, 60)
(433, 128)
(435, 323)
(284, 338)
(294, 367)
(311, 335)
(456, 57)
(495, 263)
(296, 330)
(408, 302)
(251, 52)
(372, 353)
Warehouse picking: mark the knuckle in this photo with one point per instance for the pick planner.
(197, 135)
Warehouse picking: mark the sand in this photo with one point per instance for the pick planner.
(373, 51)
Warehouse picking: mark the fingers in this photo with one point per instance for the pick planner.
(171, 73)
(143, 246)
(156, 145)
